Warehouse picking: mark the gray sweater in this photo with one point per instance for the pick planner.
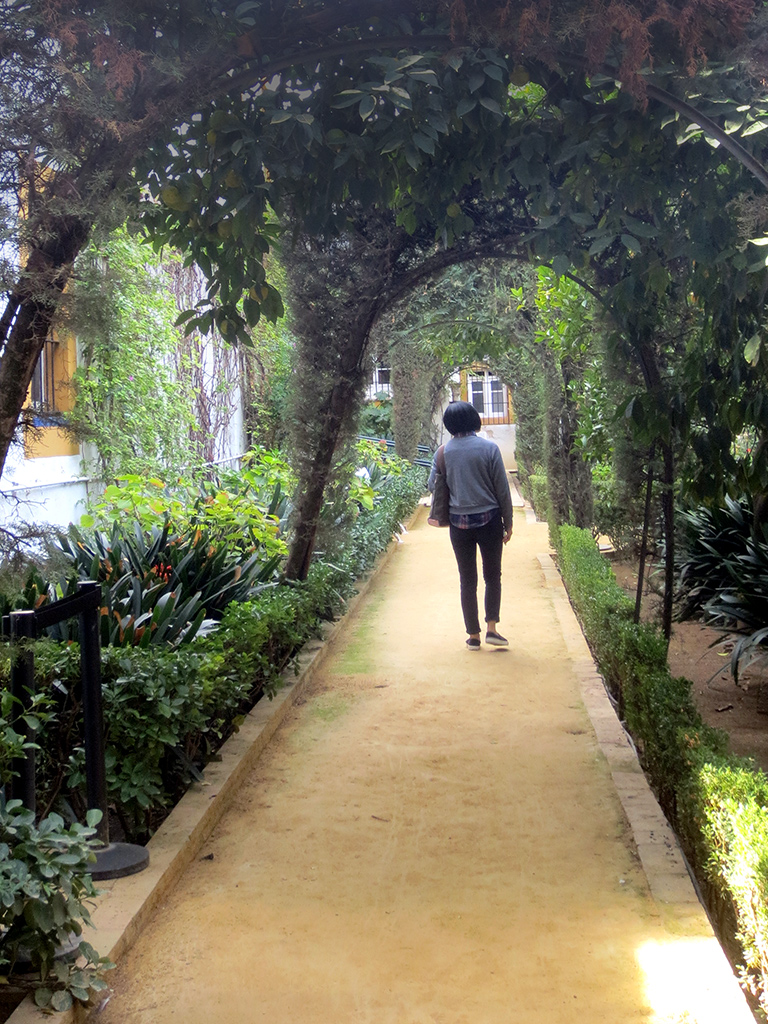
(476, 478)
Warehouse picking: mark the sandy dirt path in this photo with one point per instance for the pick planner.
(432, 837)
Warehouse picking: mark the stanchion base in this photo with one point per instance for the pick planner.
(118, 860)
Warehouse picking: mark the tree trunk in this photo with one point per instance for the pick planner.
(27, 321)
(412, 374)
(668, 514)
(309, 505)
(653, 383)
(578, 476)
(644, 541)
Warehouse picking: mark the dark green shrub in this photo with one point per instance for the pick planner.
(373, 529)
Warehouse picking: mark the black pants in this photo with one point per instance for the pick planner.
(490, 540)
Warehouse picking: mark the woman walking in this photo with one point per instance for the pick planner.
(480, 507)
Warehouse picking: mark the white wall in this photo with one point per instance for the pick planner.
(48, 490)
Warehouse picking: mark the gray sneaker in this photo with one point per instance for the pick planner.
(496, 639)
(473, 644)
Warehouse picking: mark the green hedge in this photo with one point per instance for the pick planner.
(718, 803)
(539, 495)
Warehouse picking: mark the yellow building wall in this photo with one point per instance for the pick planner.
(41, 442)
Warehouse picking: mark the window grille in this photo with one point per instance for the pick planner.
(43, 385)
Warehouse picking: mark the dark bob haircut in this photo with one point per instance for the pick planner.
(461, 418)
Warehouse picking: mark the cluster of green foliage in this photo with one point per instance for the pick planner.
(717, 802)
(577, 406)
(267, 371)
(171, 557)
(166, 710)
(244, 507)
(537, 489)
(45, 892)
(396, 496)
(376, 493)
(376, 418)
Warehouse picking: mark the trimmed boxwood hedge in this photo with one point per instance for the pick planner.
(717, 803)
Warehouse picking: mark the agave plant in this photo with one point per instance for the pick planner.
(158, 587)
(725, 578)
(713, 540)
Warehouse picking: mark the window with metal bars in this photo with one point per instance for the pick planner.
(497, 395)
(43, 385)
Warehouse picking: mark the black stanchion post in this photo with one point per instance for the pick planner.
(93, 712)
(23, 627)
(115, 860)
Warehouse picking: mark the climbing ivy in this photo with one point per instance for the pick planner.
(129, 403)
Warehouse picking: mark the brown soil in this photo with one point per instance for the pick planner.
(697, 652)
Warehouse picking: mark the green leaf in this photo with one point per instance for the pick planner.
(61, 1001)
(561, 264)
(601, 243)
(346, 98)
(490, 104)
(658, 279)
(752, 350)
(732, 124)
(424, 143)
(465, 106)
(41, 913)
(412, 157)
(43, 997)
(428, 77)
(367, 106)
(631, 243)
(756, 126)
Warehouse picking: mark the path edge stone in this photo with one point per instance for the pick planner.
(126, 905)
